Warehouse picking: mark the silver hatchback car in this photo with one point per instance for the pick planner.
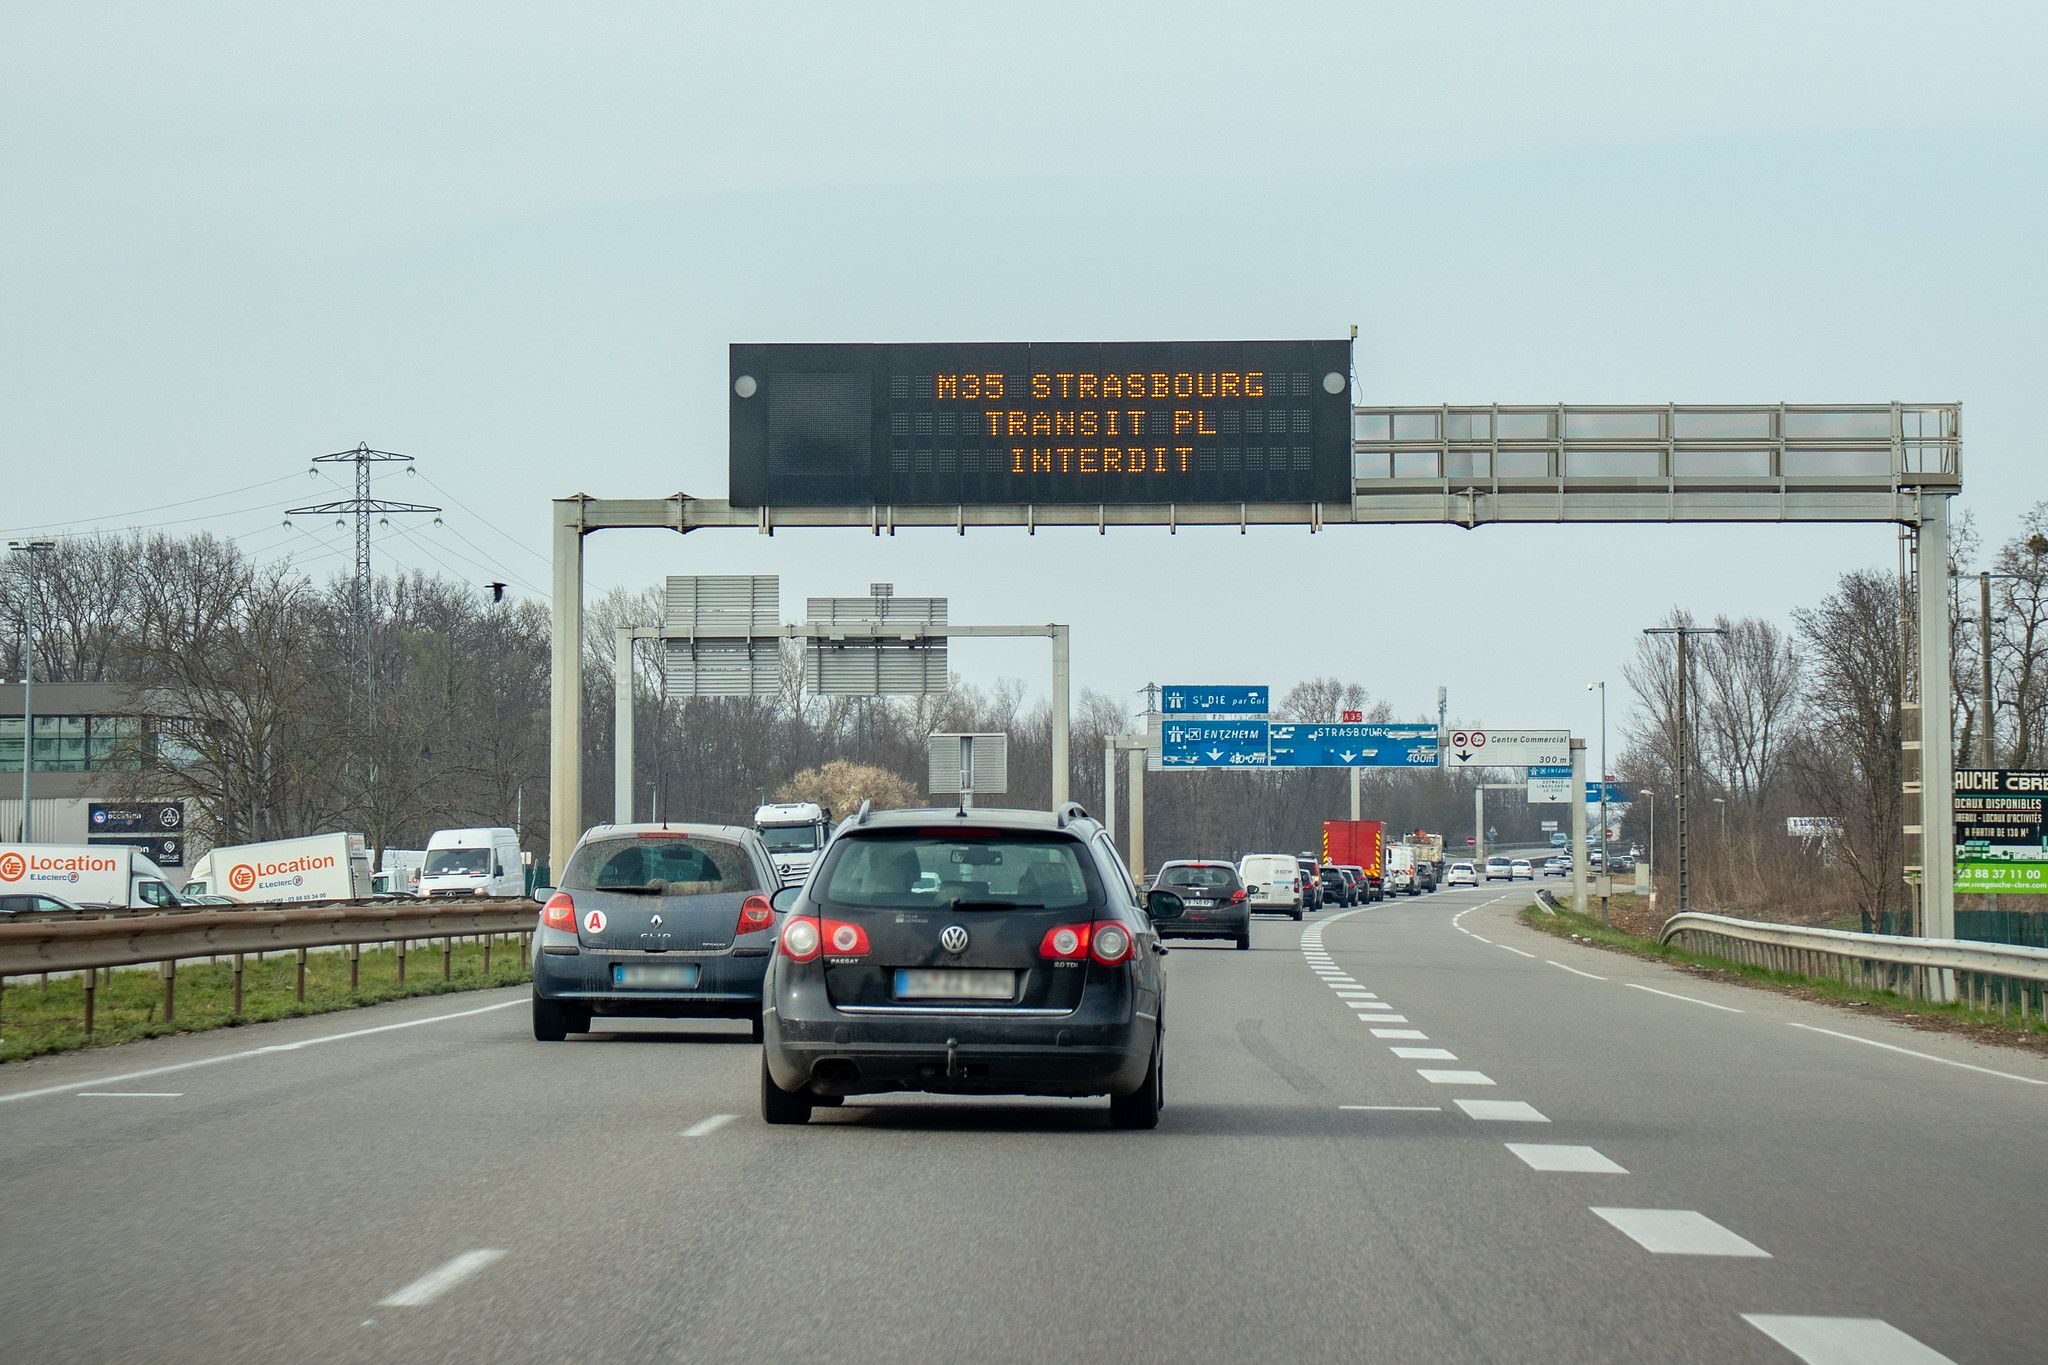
(662, 921)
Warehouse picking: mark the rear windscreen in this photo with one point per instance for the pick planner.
(985, 870)
(674, 865)
(1200, 878)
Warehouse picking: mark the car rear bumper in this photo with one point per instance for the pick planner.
(810, 1046)
(728, 986)
(1216, 926)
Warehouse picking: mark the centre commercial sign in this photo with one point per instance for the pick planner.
(2001, 831)
(1017, 423)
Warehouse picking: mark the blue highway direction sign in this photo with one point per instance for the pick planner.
(1354, 746)
(1212, 743)
(1181, 700)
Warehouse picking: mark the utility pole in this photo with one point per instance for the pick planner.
(30, 550)
(1683, 634)
(361, 506)
(1987, 746)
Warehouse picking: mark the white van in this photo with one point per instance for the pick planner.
(1272, 882)
(473, 862)
(115, 875)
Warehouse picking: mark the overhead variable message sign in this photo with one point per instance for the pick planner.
(1372, 745)
(1549, 785)
(1010, 423)
(1508, 749)
(1179, 699)
(1212, 744)
(2001, 831)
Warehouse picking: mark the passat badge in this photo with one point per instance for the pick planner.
(953, 939)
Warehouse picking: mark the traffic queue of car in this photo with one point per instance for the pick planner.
(974, 952)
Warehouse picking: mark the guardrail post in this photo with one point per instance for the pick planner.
(169, 968)
(302, 976)
(238, 984)
(355, 962)
(401, 962)
(92, 981)
(447, 957)
(487, 955)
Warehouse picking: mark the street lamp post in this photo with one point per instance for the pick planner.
(1684, 634)
(31, 548)
(1606, 870)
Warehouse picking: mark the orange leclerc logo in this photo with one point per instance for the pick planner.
(242, 876)
(12, 867)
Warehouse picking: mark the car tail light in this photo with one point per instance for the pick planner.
(559, 913)
(1237, 897)
(1066, 942)
(1110, 944)
(801, 939)
(844, 940)
(756, 914)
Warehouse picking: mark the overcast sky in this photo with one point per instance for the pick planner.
(515, 240)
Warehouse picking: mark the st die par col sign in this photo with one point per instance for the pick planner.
(1013, 423)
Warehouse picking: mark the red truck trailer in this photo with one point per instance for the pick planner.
(1357, 843)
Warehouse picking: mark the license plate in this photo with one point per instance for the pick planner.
(957, 983)
(655, 975)
(1200, 905)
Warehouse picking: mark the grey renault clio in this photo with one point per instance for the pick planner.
(979, 952)
(663, 921)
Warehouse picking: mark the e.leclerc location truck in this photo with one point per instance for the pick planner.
(97, 876)
(319, 867)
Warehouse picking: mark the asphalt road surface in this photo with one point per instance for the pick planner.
(1417, 1131)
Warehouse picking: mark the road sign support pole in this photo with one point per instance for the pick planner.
(1479, 828)
(622, 725)
(1579, 826)
(1937, 739)
(1109, 789)
(565, 693)
(1062, 768)
(1136, 758)
(1357, 793)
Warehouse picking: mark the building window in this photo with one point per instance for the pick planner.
(76, 744)
(10, 744)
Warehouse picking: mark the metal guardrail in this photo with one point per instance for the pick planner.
(1989, 975)
(88, 945)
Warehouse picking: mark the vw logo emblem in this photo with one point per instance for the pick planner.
(953, 939)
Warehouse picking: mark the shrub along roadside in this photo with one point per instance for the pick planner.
(36, 1019)
(1986, 1026)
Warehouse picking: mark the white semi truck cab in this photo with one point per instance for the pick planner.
(795, 834)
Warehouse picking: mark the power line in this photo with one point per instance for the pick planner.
(160, 507)
(487, 521)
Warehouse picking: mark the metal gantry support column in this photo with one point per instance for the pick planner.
(1136, 758)
(565, 691)
(1357, 793)
(1062, 765)
(1109, 788)
(1479, 828)
(622, 725)
(1937, 736)
(1579, 826)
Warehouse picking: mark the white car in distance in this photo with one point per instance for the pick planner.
(1520, 870)
(1462, 874)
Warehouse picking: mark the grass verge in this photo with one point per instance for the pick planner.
(36, 1019)
(1986, 1026)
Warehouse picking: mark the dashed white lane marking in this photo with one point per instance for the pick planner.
(131, 1094)
(1574, 971)
(1564, 1156)
(1844, 1341)
(1399, 1033)
(1680, 1232)
(706, 1126)
(1394, 1108)
(1442, 1076)
(1382, 1018)
(1482, 940)
(1726, 1009)
(435, 1283)
(1355, 993)
(1517, 951)
(1923, 1056)
(1374, 1004)
(1501, 1111)
(1424, 1054)
(69, 1086)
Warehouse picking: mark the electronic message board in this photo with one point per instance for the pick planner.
(1009, 423)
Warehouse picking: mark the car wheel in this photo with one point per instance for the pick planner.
(554, 1021)
(1140, 1109)
(779, 1105)
(1244, 940)
(1295, 915)
(754, 1030)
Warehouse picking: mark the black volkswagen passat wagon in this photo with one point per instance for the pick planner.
(985, 952)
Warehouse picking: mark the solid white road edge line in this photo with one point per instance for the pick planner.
(1516, 951)
(1844, 1341)
(1574, 970)
(435, 1283)
(131, 1094)
(1923, 1056)
(246, 1053)
(1728, 1009)
(710, 1125)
